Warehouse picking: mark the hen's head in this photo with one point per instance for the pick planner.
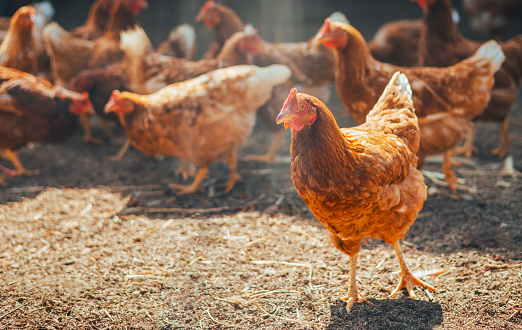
(119, 104)
(332, 35)
(425, 3)
(298, 111)
(134, 6)
(83, 106)
(251, 43)
(24, 18)
(209, 14)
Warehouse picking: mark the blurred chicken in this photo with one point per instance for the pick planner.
(96, 22)
(23, 48)
(148, 70)
(99, 84)
(180, 43)
(313, 69)
(359, 182)
(223, 21)
(44, 14)
(491, 17)
(70, 55)
(34, 110)
(397, 43)
(443, 45)
(446, 99)
(201, 120)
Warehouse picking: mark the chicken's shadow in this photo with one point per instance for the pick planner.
(387, 314)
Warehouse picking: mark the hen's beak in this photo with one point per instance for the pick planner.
(110, 107)
(321, 39)
(285, 117)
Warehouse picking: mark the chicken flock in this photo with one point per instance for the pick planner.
(360, 182)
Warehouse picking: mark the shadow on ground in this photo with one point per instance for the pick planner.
(387, 314)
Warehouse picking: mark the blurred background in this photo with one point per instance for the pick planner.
(276, 20)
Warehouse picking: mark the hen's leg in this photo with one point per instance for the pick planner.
(107, 132)
(353, 295)
(194, 187)
(408, 281)
(233, 177)
(18, 165)
(123, 150)
(351, 248)
(504, 140)
(87, 137)
(272, 150)
(449, 175)
(185, 169)
(468, 148)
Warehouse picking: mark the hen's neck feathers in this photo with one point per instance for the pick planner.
(321, 141)
(353, 59)
(229, 24)
(439, 24)
(121, 19)
(97, 16)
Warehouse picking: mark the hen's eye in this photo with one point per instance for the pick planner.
(301, 107)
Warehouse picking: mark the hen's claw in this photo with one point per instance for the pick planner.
(408, 281)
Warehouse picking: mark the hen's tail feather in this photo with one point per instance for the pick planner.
(135, 44)
(491, 52)
(394, 112)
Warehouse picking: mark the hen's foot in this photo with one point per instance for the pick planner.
(502, 149)
(123, 150)
(353, 297)
(449, 175)
(20, 169)
(267, 158)
(184, 190)
(194, 187)
(186, 170)
(93, 140)
(408, 281)
(233, 178)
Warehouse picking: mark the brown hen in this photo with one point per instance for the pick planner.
(34, 110)
(442, 45)
(223, 21)
(359, 182)
(446, 99)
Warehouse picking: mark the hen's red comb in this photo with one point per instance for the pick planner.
(326, 26)
(291, 100)
(206, 6)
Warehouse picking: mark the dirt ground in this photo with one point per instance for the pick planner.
(95, 244)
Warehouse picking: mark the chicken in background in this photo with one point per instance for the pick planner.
(180, 43)
(201, 120)
(446, 99)
(96, 22)
(359, 182)
(44, 14)
(99, 83)
(397, 42)
(223, 21)
(70, 55)
(34, 110)
(491, 17)
(23, 48)
(442, 45)
(148, 70)
(313, 69)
